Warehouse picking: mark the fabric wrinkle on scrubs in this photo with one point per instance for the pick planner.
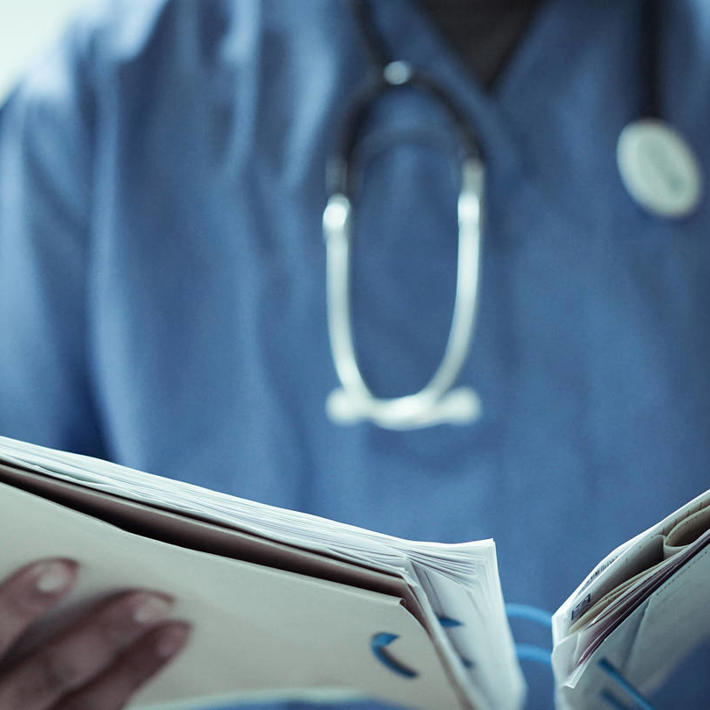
(162, 276)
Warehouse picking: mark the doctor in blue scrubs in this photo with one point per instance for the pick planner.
(163, 301)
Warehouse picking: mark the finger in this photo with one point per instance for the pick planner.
(112, 689)
(81, 651)
(29, 592)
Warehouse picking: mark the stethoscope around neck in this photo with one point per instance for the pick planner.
(436, 402)
(440, 401)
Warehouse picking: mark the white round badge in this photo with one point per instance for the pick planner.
(659, 169)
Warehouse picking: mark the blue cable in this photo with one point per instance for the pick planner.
(529, 613)
(528, 652)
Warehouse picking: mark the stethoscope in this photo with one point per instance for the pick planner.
(656, 165)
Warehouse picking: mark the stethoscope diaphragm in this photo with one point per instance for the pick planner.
(659, 169)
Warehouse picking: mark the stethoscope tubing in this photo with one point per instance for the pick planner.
(435, 402)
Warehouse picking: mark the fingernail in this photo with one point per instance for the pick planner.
(171, 640)
(150, 608)
(52, 577)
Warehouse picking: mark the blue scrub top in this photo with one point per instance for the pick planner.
(162, 275)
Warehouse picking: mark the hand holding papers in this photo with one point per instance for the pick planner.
(283, 604)
(288, 605)
(99, 660)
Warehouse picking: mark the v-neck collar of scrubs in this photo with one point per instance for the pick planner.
(412, 36)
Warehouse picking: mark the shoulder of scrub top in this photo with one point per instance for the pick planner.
(144, 43)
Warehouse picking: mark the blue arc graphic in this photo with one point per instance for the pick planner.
(379, 644)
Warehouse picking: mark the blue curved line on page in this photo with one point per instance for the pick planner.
(378, 644)
(449, 623)
(612, 700)
(625, 684)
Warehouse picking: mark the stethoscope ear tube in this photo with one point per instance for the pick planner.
(656, 165)
(436, 403)
(395, 76)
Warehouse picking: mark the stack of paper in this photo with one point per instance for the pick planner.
(642, 609)
(283, 604)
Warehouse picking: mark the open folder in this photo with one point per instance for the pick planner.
(641, 610)
(289, 605)
(284, 604)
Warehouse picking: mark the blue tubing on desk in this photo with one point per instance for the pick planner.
(529, 613)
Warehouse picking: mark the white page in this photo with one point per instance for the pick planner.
(644, 608)
(257, 630)
(466, 573)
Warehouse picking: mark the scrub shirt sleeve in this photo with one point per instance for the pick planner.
(46, 136)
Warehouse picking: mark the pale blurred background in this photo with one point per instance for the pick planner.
(26, 27)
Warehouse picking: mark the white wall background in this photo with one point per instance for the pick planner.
(26, 26)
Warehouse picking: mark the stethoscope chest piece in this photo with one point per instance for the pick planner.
(659, 169)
